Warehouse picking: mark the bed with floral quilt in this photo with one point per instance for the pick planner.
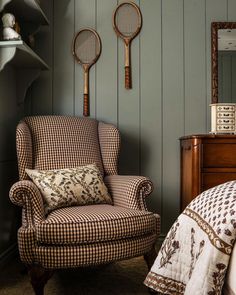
(195, 255)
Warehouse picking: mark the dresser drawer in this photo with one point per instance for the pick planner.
(212, 179)
(225, 128)
(207, 160)
(226, 108)
(219, 155)
(225, 121)
(225, 115)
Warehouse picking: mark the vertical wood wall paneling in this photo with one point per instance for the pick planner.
(28, 102)
(9, 114)
(85, 17)
(216, 11)
(151, 98)
(231, 10)
(129, 109)
(106, 74)
(8, 216)
(194, 66)
(173, 106)
(63, 92)
(42, 87)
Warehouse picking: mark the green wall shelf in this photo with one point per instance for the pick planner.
(18, 54)
(25, 10)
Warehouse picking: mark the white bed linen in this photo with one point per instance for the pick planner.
(230, 283)
(196, 252)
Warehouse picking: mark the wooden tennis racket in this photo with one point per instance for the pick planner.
(86, 50)
(127, 23)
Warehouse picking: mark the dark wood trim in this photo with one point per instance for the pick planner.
(205, 163)
(209, 135)
(190, 169)
(215, 26)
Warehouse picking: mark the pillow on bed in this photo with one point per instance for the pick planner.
(68, 187)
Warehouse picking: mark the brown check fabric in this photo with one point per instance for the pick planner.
(95, 223)
(93, 253)
(24, 149)
(27, 244)
(109, 139)
(86, 235)
(64, 142)
(25, 193)
(129, 191)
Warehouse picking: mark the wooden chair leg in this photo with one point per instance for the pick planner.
(150, 257)
(39, 277)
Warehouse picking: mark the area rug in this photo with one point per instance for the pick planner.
(123, 278)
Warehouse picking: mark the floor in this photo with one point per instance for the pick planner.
(125, 277)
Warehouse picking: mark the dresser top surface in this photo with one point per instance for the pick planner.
(192, 136)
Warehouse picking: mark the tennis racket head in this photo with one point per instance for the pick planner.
(86, 47)
(127, 20)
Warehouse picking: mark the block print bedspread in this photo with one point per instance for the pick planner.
(194, 257)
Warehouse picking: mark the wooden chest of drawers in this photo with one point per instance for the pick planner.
(206, 161)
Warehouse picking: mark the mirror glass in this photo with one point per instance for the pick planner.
(223, 38)
(227, 65)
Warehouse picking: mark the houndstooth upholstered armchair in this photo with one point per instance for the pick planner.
(78, 235)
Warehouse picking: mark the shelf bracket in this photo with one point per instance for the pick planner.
(3, 3)
(6, 55)
(27, 64)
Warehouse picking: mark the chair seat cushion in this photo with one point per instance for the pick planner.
(94, 223)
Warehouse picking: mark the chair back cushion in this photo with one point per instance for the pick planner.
(60, 142)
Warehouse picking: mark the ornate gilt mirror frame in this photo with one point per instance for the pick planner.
(215, 26)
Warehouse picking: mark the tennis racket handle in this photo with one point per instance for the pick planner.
(128, 81)
(86, 105)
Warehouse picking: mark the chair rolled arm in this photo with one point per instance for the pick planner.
(129, 191)
(25, 194)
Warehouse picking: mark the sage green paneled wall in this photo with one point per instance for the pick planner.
(171, 93)
(10, 113)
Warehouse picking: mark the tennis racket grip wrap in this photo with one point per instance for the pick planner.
(86, 105)
(128, 81)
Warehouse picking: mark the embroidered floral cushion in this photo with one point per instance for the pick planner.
(68, 187)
